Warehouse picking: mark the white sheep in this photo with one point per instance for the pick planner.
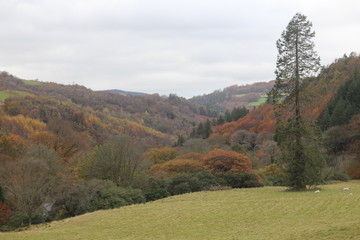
(346, 189)
(317, 191)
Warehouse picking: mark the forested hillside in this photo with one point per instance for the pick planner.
(332, 101)
(250, 96)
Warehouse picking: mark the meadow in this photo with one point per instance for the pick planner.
(256, 213)
(259, 101)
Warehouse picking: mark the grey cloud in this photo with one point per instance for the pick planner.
(184, 47)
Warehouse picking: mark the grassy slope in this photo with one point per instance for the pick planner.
(31, 82)
(7, 94)
(258, 102)
(263, 213)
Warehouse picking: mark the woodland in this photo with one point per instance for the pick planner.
(66, 150)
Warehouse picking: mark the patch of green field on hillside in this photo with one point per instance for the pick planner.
(31, 82)
(257, 213)
(4, 95)
(239, 95)
(7, 94)
(260, 101)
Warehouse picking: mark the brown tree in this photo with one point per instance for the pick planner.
(221, 161)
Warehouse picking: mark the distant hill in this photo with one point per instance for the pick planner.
(234, 96)
(126, 93)
(77, 118)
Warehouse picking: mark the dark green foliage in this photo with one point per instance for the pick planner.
(194, 182)
(20, 220)
(92, 195)
(238, 113)
(338, 176)
(220, 120)
(203, 130)
(241, 180)
(234, 115)
(191, 182)
(2, 195)
(297, 62)
(180, 141)
(156, 189)
(345, 104)
(303, 160)
(273, 180)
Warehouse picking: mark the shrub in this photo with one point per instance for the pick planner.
(92, 195)
(241, 180)
(191, 182)
(338, 176)
(156, 189)
(274, 175)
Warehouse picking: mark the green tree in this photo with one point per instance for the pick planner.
(296, 62)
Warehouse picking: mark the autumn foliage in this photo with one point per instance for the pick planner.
(175, 167)
(5, 213)
(221, 161)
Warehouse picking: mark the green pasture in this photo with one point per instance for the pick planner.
(31, 82)
(7, 94)
(4, 95)
(258, 102)
(258, 213)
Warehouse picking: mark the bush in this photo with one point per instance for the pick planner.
(92, 195)
(338, 176)
(156, 189)
(273, 175)
(191, 182)
(241, 180)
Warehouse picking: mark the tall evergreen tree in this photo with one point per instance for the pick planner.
(296, 62)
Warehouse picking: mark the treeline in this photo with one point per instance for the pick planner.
(167, 114)
(344, 105)
(204, 129)
(38, 185)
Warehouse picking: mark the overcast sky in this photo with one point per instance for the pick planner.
(187, 47)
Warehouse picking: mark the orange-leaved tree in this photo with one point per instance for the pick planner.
(221, 161)
(175, 167)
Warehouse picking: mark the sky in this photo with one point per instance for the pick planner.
(186, 47)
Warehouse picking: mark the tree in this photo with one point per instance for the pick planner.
(221, 161)
(296, 62)
(32, 180)
(117, 160)
(160, 155)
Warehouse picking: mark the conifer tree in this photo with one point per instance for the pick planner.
(296, 62)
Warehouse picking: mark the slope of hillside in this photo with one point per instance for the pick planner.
(316, 97)
(247, 95)
(146, 115)
(259, 213)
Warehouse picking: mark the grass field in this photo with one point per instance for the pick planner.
(258, 213)
(31, 82)
(7, 94)
(4, 95)
(258, 102)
